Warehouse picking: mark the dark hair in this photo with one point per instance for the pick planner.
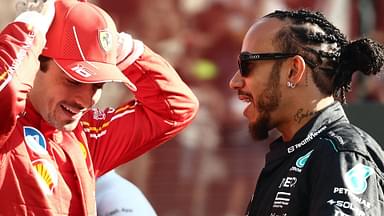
(44, 62)
(326, 50)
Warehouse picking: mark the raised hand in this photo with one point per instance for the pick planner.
(39, 13)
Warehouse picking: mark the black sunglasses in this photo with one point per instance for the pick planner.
(246, 58)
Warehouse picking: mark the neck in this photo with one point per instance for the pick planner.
(301, 115)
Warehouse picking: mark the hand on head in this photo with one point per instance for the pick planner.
(38, 13)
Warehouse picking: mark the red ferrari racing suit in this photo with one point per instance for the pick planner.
(44, 171)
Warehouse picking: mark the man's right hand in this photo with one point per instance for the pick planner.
(38, 13)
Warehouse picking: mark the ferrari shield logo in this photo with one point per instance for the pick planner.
(105, 39)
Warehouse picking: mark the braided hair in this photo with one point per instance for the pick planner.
(326, 50)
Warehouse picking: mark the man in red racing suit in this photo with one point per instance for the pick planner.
(49, 168)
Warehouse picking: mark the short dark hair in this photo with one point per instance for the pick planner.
(335, 58)
(44, 62)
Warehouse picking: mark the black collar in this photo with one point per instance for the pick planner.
(323, 121)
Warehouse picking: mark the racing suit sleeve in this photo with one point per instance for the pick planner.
(164, 105)
(20, 46)
(344, 183)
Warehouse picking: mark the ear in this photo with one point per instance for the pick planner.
(297, 69)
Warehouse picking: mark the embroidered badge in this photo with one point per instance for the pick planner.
(98, 114)
(105, 39)
(83, 150)
(356, 178)
(46, 175)
(303, 160)
(35, 140)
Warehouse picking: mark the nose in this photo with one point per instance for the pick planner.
(237, 81)
(88, 95)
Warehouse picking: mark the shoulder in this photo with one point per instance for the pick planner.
(345, 145)
(346, 138)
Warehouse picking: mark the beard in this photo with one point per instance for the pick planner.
(259, 129)
(268, 101)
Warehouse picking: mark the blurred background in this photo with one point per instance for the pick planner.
(211, 168)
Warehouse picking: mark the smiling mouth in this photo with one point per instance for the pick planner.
(68, 109)
(71, 111)
(245, 98)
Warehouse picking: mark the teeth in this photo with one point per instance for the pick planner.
(69, 109)
(246, 100)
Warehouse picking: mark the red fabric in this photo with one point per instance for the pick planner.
(379, 9)
(355, 19)
(300, 4)
(83, 39)
(44, 171)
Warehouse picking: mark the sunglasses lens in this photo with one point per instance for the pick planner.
(244, 67)
(246, 60)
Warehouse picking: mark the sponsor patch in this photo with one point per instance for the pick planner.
(35, 140)
(282, 199)
(348, 206)
(22, 53)
(354, 197)
(356, 178)
(83, 150)
(288, 182)
(305, 141)
(46, 175)
(98, 114)
(300, 163)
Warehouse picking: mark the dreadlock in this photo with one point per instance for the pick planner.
(326, 50)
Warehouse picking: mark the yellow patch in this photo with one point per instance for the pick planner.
(83, 150)
(4, 75)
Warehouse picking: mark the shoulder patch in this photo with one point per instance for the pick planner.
(35, 140)
(348, 138)
(356, 178)
(46, 175)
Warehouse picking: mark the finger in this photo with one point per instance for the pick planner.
(48, 8)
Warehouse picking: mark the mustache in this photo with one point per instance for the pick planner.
(242, 93)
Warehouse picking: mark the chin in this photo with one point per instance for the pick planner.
(67, 125)
(70, 127)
